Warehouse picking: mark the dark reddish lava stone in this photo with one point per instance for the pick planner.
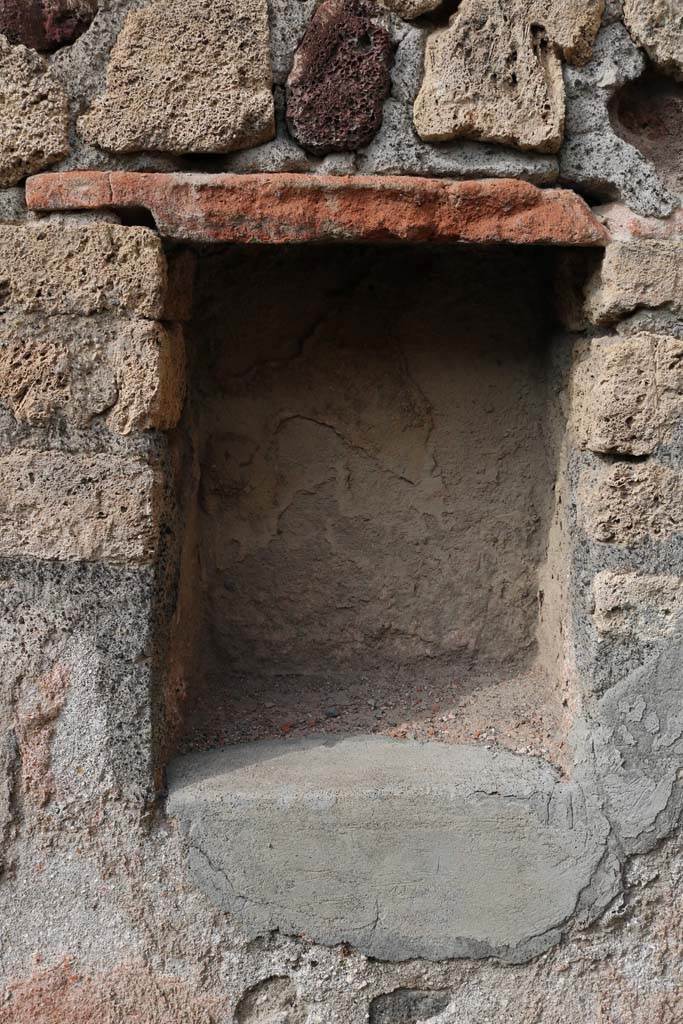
(340, 78)
(45, 24)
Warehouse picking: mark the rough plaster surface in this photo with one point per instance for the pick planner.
(457, 851)
(33, 115)
(184, 78)
(128, 374)
(509, 90)
(657, 26)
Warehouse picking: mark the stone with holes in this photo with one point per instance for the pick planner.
(33, 115)
(494, 74)
(340, 78)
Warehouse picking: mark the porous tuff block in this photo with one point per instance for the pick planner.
(340, 78)
(628, 503)
(648, 607)
(494, 73)
(73, 507)
(187, 77)
(403, 849)
(34, 116)
(127, 373)
(627, 393)
(54, 268)
(657, 26)
(635, 274)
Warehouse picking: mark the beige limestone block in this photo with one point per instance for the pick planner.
(53, 268)
(79, 507)
(649, 607)
(627, 503)
(627, 393)
(657, 26)
(187, 77)
(128, 374)
(34, 115)
(495, 72)
(647, 273)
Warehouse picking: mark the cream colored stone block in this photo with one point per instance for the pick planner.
(494, 73)
(34, 114)
(648, 607)
(187, 77)
(54, 268)
(634, 274)
(657, 26)
(57, 505)
(627, 503)
(127, 374)
(627, 393)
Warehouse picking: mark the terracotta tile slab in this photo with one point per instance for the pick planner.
(291, 208)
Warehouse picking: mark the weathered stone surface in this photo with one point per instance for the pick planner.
(657, 26)
(594, 157)
(187, 78)
(648, 114)
(628, 503)
(272, 1000)
(457, 851)
(340, 78)
(624, 225)
(33, 115)
(410, 8)
(634, 274)
(627, 393)
(406, 1006)
(297, 208)
(494, 75)
(53, 268)
(90, 507)
(396, 149)
(647, 606)
(127, 374)
(45, 24)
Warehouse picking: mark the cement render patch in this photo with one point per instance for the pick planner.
(402, 849)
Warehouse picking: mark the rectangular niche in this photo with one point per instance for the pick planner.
(375, 451)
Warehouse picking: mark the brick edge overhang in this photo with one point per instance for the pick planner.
(295, 208)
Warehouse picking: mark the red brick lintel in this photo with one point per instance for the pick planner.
(291, 208)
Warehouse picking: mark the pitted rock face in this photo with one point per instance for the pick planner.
(495, 73)
(45, 24)
(340, 79)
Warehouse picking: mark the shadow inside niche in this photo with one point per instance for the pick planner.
(376, 470)
(648, 113)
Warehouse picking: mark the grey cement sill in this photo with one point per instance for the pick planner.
(401, 849)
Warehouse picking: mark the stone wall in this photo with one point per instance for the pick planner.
(365, 469)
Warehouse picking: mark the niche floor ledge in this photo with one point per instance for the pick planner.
(401, 849)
